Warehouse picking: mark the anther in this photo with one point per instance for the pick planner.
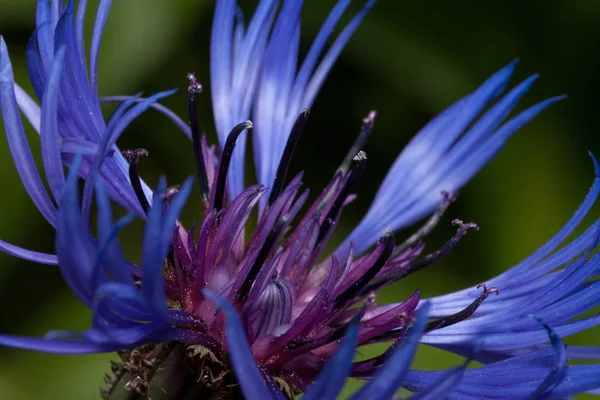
(225, 161)
(463, 314)
(286, 157)
(195, 86)
(133, 156)
(170, 193)
(193, 89)
(372, 299)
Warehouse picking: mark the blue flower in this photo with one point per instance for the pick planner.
(70, 120)
(267, 308)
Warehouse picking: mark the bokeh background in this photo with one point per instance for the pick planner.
(409, 60)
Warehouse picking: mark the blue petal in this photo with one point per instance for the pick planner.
(29, 108)
(80, 31)
(101, 16)
(17, 142)
(50, 139)
(76, 253)
(556, 376)
(183, 126)
(157, 239)
(389, 377)
(515, 377)
(110, 251)
(116, 127)
(46, 17)
(78, 146)
(29, 255)
(527, 277)
(443, 157)
(333, 376)
(248, 375)
(74, 86)
(442, 386)
(58, 346)
(282, 93)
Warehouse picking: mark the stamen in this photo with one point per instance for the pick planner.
(464, 314)
(427, 260)
(193, 90)
(359, 285)
(359, 163)
(132, 156)
(225, 161)
(431, 223)
(441, 253)
(346, 165)
(359, 143)
(286, 157)
(264, 252)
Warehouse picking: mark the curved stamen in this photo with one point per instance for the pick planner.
(428, 226)
(133, 156)
(463, 314)
(193, 90)
(427, 260)
(359, 163)
(439, 254)
(361, 283)
(359, 143)
(286, 158)
(225, 161)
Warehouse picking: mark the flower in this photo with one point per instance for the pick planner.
(70, 120)
(206, 311)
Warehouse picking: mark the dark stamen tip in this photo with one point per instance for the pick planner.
(194, 87)
(464, 227)
(132, 156)
(371, 299)
(465, 313)
(448, 197)
(359, 162)
(359, 143)
(369, 120)
(360, 156)
(170, 192)
(486, 292)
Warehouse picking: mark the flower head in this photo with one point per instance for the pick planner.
(268, 309)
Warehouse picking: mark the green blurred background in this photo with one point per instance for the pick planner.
(409, 60)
